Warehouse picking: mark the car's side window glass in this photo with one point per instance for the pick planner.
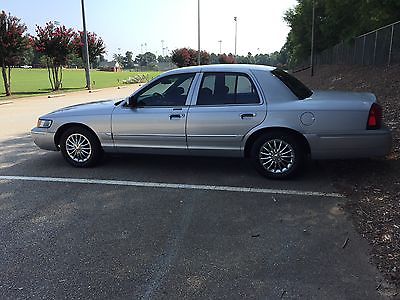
(167, 91)
(245, 91)
(226, 88)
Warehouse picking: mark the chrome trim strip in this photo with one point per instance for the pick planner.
(214, 135)
(149, 135)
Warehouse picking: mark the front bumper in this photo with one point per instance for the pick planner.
(369, 143)
(44, 139)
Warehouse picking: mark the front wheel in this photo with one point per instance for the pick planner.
(278, 155)
(80, 147)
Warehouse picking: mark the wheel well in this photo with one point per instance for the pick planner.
(255, 135)
(64, 127)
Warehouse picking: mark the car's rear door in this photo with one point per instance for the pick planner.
(228, 105)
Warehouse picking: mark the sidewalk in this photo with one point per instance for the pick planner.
(18, 116)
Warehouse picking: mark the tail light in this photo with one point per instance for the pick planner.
(375, 117)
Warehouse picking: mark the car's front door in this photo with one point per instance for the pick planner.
(228, 106)
(156, 119)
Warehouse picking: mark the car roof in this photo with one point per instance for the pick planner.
(220, 68)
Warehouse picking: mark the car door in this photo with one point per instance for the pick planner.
(228, 106)
(157, 118)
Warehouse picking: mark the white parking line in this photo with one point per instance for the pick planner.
(172, 186)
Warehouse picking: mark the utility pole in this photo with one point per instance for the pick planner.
(85, 48)
(235, 19)
(220, 46)
(312, 39)
(162, 47)
(198, 33)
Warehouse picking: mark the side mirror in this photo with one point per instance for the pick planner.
(131, 102)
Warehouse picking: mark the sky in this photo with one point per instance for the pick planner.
(140, 25)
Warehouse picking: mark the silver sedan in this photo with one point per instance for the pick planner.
(258, 112)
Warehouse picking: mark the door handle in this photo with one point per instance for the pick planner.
(176, 116)
(245, 116)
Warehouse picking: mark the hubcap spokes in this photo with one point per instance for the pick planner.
(78, 147)
(277, 156)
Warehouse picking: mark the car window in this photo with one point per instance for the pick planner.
(296, 86)
(226, 88)
(167, 91)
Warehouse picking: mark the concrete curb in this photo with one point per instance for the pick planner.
(94, 91)
(55, 96)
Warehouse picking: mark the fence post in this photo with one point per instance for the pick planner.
(355, 52)
(391, 45)
(376, 38)
(363, 51)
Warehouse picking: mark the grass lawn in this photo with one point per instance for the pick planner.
(31, 82)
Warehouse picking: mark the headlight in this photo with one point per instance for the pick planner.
(42, 123)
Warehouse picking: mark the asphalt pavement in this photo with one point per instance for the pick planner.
(154, 227)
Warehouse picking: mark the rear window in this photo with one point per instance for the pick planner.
(296, 86)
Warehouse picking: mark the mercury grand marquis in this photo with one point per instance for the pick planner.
(258, 112)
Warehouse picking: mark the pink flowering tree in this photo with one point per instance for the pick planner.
(55, 42)
(13, 43)
(185, 57)
(226, 59)
(95, 43)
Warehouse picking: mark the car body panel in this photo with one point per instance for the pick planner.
(332, 122)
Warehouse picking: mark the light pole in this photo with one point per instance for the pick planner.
(220, 46)
(235, 19)
(85, 48)
(198, 33)
(312, 39)
(162, 47)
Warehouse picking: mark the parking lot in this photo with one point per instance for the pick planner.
(155, 227)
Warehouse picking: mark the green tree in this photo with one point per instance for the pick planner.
(13, 44)
(147, 59)
(128, 60)
(119, 59)
(28, 56)
(335, 21)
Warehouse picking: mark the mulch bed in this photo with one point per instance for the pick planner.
(372, 185)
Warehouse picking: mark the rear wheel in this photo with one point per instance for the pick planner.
(278, 155)
(80, 147)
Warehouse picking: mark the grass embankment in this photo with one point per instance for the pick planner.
(33, 82)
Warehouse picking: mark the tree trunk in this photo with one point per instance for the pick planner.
(57, 81)
(5, 79)
(61, 76)
(9, 79)
(48, 70)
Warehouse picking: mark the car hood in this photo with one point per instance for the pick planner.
(342, 96)
(104, 107)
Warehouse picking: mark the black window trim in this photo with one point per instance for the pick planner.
(252, 82)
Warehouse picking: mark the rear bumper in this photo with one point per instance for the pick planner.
(43, 139)
(369, 143)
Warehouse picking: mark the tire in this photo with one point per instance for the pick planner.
(278, 155)
(80, 147)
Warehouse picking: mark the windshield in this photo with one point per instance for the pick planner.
(295, 85)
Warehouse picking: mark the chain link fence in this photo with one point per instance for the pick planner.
(378, 47)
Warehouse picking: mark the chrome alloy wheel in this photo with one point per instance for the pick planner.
(277, 156)
(78, 147)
